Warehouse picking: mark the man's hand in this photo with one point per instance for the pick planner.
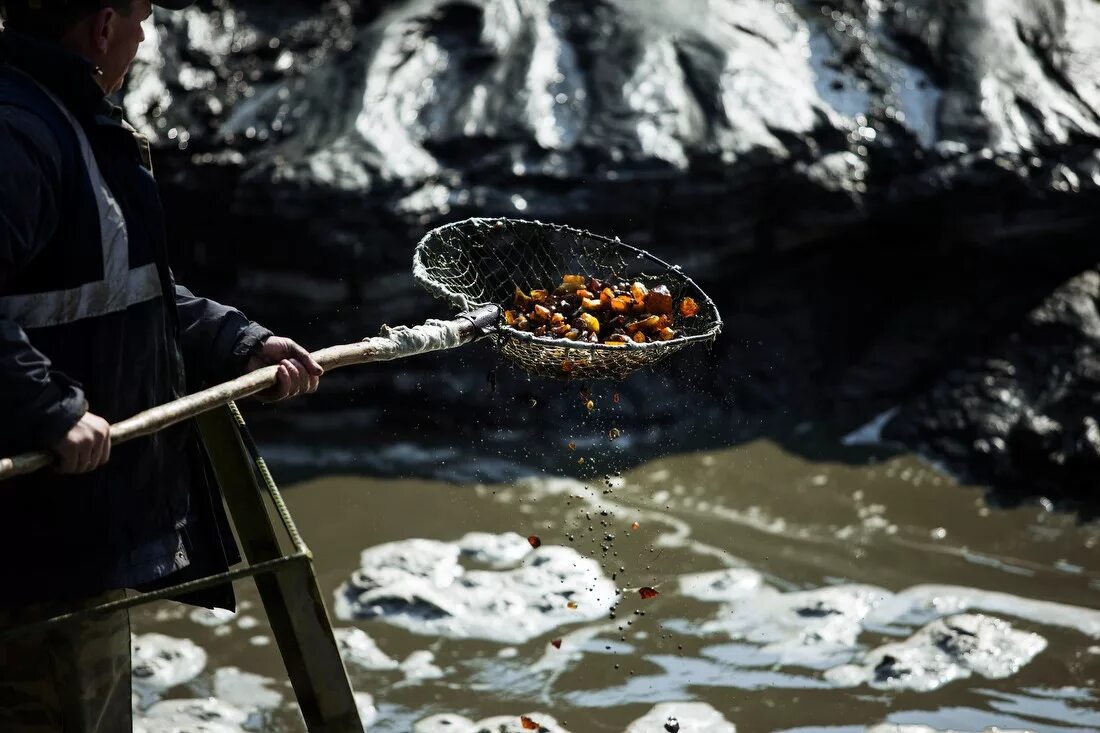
(298, 372)
(86, 447)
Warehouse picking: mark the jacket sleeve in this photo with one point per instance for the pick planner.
(217, 340)
(39, 404)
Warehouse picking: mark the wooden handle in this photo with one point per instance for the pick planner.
(383, 348)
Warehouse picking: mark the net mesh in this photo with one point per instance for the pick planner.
(481, 262)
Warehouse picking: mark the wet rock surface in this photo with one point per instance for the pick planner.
(877, 194)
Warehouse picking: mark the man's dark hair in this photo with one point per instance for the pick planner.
(53, 20)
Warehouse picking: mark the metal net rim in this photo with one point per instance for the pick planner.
(461, 301)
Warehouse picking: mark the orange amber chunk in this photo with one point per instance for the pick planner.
(590, 322)
(688, 307)
(639, 292)
(541, 313)
(647, 593)
(659, 300)
(528, 724)
(666, 334)
(534, 541)
(591, 304)
(639, 337)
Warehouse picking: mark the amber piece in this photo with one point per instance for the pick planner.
(606, 296)
(617, 338)
(557, 318)
(615, 398)
(580, 461)
(509, 318)
(521, 298)
(577, 280)
(647, 593)
(663, 322)
(556, 643)
(521, 323)
(528, 724)
(646, 324)
(534, 541)
(590, 322)
(591, 304)
(635, 525)
(659, 300)
(540, 295)
(572, 446)
(560, 330)
(614, 433)
(541, 313)
(639, 337)
(573, 334)
(688, 307)
(639, 291)
(572, 605)
(621, 304)
(584, 294)
(590, 405)
(666, 334)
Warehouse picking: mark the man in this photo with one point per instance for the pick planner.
(94, 329)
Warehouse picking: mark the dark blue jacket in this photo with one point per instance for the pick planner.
(90, 319)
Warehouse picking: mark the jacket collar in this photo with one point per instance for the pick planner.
(68, 75)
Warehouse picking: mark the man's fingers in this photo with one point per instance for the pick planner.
(282, 384)
(307, 361)
(298, 380)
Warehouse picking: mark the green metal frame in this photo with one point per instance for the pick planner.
(286, 581)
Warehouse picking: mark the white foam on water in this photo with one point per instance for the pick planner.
(161, 662)
(245, 690)
(447, 723)
(944, 651)
(368, 712)
(211, 617)
(813, 628)
(939, 600)
(871, 433)
(191, 716)
(682, 717)
(421, 586)
(722, 585)
(358, 648)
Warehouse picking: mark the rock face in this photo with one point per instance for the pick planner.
(877, 193)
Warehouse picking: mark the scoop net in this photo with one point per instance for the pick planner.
(481, 262)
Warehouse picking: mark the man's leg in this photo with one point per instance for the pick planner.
(73, 678)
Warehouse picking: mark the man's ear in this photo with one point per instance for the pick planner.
(101, 29)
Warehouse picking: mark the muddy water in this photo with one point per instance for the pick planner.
(792, 595)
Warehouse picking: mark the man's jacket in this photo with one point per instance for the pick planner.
(91, 320)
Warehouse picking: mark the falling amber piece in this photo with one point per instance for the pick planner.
(556, 643)
(572, 446)
(580, 461)
(615, 398)
(688, 307)
(647, 593)
(528, 724)
(572, 605)
(635, 525)
(534, 541)
(614, 433)
(590, 405)
(659, 300)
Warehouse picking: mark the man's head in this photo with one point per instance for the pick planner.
(106, 32)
